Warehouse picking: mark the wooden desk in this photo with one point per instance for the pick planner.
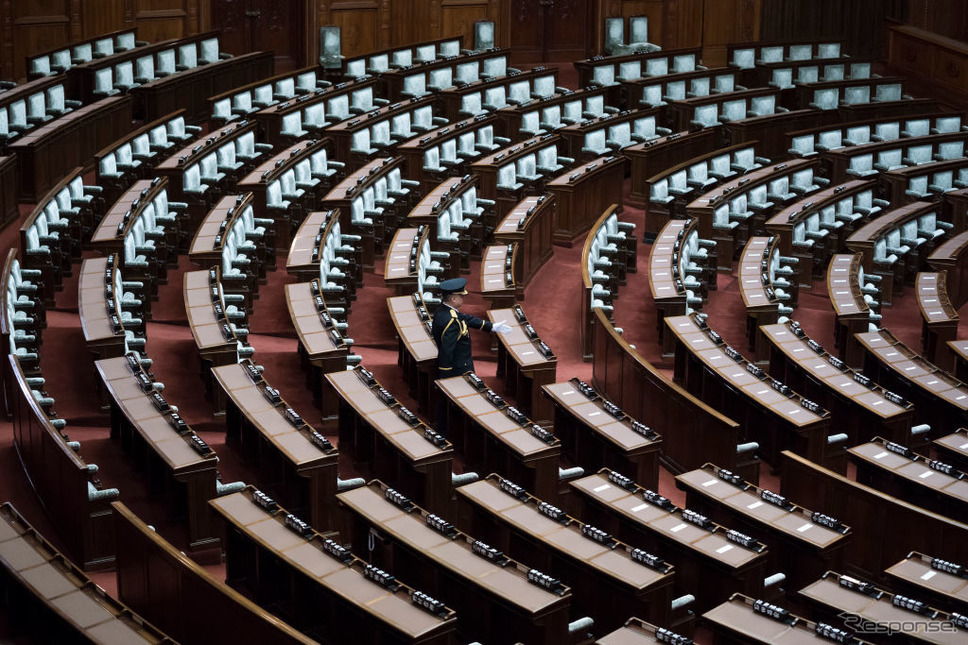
(530, 225)
(453, 99)
(491, 440)
(693, 433)
(51, 600)
(177, 462)
(885, 528)
(953, 448)
(190, 89)
(103, 331)
(665, 269)
(322, 348)
(353, 188)
(144, 558)
(342, 133)
(108, 237)
(652, 157)
(898, 181)
(684, 110)
(634, 65)
(597, 434)
(525, 363)
(836, 602)
(494, 600)
(61, 480)
(954, 207)
(498, 284)
(49, 152)
(708, 564)
(487, 168)
(851, 311)
(774, 419)
(910, 476)
(799, 546)
(298, 464)
(437, 204)
(414, 150)
(214, 337)
(960, 350)
(931, 57)
(583, 192)
(403, 255)
(857, 405)
(841, 159)
(636, 631)
(411, 455)
(931, 579)
(9, 189)
(393, 79)
(951, 256)
(416, 349)
(575, 135)
(758, 297)
(206, 247)
(770, 129)
(569, 106)
(939, 318)
(309, 244)
(605, 581)
(938, 398)
(335, 599)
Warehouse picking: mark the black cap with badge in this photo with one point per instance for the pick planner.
(454, 285)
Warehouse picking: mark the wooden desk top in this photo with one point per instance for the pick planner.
(705, 544)
(759, 391)
(314, 336)
(304, 242)
(283, 160)
(438, 200)
(438, 135)
(453, 555)
(523, 517)
(817, 201)
(884, 223)
(618, 430)
(843, 287)
(512, 153)
(397, 266)
(662, 282)
(515, 436)
(957, 441)
(914, 469)
(917, 570)
(299, 442)
(933, 302)
(738, 185)
(511, 228)
(38, 134)
(751, 286)
(152, 424)
(495, 270)
(635, 632)
(206, 245)
(107, 230)
(830, 593)
(359, 121)
(794, 522)
(519, 343)
(195, 150)
(411, 329)
(949, 250)
(306, 555)
(570, 178)
(347, 189)
(200, 300)
(911, 366)
(92, 300)
(842, 383)
(737, 616)
(339, 89)
(66, 590)
(409, 440)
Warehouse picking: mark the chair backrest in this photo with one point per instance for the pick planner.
(890, 158)
(432, 158)
(361, 141)
(35, 105)
(780, 186)
(530, 122)
(679, 180)
(862, 163)
(379, 63)
(947, 123)
(292, 123)
(638, 29)
(595, 141)
(920, 154)
(519, 91)
(468, 72)
(951, 149)
(103, 80)
(707, 115)
(356, 68)
(40, 66)
(744, 57)
(192, 178)
(82, 52)
(506, 176)
(828, 50)
(402, 57)
(825, 99)
(684, 62)
(620, 133)
(660, 190)
(61, 59)
(800, 52)
(315, 114)
(423, 116)
(548, 157)
(652, 94)
(55, 97)
(808, 74)
(124, 72)
(339, 106)
(188, 55)
(629, 69)
(448, 150)
(942, 179)
(381, 132)
(440, 78)
(465, 143)
(551, 115)
(803, 144)
(604, 74)
(782, 77)
(745, 158)
(700, 86)
(362, 99)
(803, 178)
(286, 87)
(856, 134)
(763, 104)
(527, 166)
(145, 67)
(657, 66)
(857, 94)
(415, 84)
(400, 124)
(675, 90)
(888, 92)
(734, 110)
(208, 50)
(721, 215)
(834, 72)
(166, 61)
(771, 54)
(544, 86)
(494, 66)
(645, 127)
(471, 103)
(614, 35)
(495, 96)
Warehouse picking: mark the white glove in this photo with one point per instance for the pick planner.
(500, 327)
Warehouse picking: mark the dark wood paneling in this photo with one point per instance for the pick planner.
(101, 17)
(858, 23)
(458, 18)
(946, 17)
(359, 24)
(263, 25)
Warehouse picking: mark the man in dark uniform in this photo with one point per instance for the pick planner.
(451, 332)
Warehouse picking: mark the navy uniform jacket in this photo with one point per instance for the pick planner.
(450, 332)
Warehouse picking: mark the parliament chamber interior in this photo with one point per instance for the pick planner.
(727, 237)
